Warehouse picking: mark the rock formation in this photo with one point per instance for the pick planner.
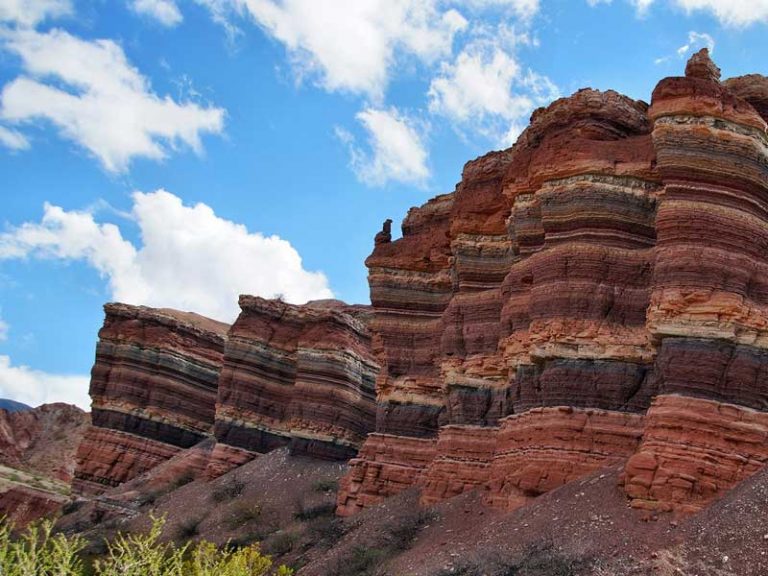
(595, 293)
(297, 375)
(42, 440)
(153, 387)
(37, 459)
(595, 296)
(165, 381)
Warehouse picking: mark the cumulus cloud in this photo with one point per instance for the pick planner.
(696, 41)
(396, 148)
(164, 11)
(736, 13)
(189, 258)
(352, 46)
(13, 139)
(91, 92)
(486, 90)
(29, 13)
(35, 387)
(521, 8)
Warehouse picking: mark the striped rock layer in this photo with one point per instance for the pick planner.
(165, 381)
(298, 376)
(153, 388)
(596, 294)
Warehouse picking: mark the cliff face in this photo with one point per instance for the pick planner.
(164, 381)
(596, 293)
(42, 440)
(153, 386)
(301, 376)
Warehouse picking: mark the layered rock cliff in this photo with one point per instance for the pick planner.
(153, 389)
(593, 294)
(165, 381)
(301, 376)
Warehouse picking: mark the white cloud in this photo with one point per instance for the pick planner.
(164, 11)
(34, 387)
(90, 91)
(521, 8)
(731, 12)
(352, 46)
(4, 328)
(696, 40)
(13, 139)
(396, 148)
(736, 13)
(486, 90)
(189, 258)
(31, 12)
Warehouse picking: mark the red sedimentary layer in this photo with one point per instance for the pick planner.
(297, 375)
(614, 255)
(165, 381)
(42, 440)
(154, 387)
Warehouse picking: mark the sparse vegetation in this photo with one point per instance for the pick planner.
(399, 536)
(230, 490)
(39, 552)
(544, 560)
(243, 513)
(281, 543)
(326, 485)
(189, 528)
(308, 512)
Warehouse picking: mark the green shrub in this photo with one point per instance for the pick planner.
(39, 552)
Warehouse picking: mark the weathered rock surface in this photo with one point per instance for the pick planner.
(154, 387)
(301, 376)
(42, 440)
(526, 322)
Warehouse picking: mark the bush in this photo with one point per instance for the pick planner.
(282, 543)
(326, 485)
(243, 513)
(189, 528)
(225, 492)
(38, 552)
(305, 512)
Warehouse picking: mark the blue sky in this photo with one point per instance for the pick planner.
(179, 152)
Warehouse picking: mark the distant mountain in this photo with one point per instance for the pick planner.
(13, 406)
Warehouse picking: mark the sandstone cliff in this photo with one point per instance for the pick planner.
(593, 294)
(153, 387)
(165, 381)
(297, 375)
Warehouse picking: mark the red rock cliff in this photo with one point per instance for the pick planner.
(297, 375)
(154, 388)
(596, 293)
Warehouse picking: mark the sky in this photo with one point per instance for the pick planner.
(178, 153)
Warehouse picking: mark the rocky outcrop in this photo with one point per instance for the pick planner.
(153, 386)
(595, 293)
(166, 381)
(37, 459)
(42, 440)
(301, 376)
